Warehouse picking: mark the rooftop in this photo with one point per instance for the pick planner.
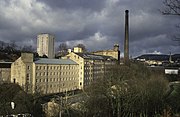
(54, 61)
(94, 57)
(5, 64)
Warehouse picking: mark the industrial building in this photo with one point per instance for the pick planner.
(45, 75)
(91, 66)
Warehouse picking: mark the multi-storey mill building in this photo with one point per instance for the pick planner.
(45, 75)
(91, 66)
(115, 53)
(45, 45)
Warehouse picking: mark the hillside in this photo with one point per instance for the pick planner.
(159, 57)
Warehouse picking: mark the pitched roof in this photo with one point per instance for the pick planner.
(5, 64)
(54, 61)
(94, 56)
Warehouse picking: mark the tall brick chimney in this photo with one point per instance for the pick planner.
(126, 39)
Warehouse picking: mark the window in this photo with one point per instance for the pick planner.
(27, 77)
(14, 80)
(28, 67)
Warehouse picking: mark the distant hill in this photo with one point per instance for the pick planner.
(159, 57)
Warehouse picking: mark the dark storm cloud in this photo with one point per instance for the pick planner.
(93, 5)
(98, 24)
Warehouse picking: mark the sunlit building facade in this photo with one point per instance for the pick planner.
(91, 66)
(43, 75)
(45, 45)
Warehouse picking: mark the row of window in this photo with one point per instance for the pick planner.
(87, 83)
(94, 67)
(87, 67)
(54, 79)
(88, 78)
(55, 73)
(54, 67)
(87, 73)
(94, 62)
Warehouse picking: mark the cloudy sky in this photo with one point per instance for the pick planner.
(98, 24)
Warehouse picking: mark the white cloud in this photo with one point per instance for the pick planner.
(97, 41)
(155, 52)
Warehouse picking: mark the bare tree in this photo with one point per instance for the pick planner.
(27, 48)
(62, 49)
(172, 7)
(127, 91)
(2, 45)
(82, 46)
(11, 47)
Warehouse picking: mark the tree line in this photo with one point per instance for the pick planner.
(130, 91)
(12, 47)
